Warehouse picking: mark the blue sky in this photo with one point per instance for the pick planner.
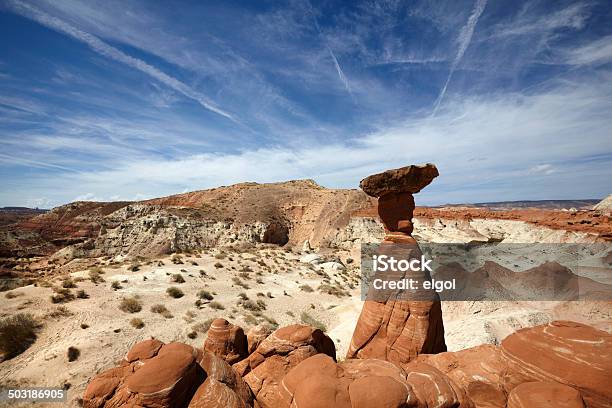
(136, 99)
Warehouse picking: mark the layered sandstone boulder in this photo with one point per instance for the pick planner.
(256, 335)
(285, 348)
(226, 340)
(565, 352)
(544, 395)
(152, 374)
(397, 325)
(479, 371)
(321, 382)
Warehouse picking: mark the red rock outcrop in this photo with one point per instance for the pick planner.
(320, 382)
(285, 348)
(398, 325)
(569, 353)
(544, 395)
(256, 335)
(478, 371)
(226, 340)
(152, 374)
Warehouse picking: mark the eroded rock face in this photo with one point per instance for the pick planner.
(285, 348)
(226, 340)
(409, 179)
(256, 335)
(152, 374)
(569, 353)
(320, 382)
(544, 395)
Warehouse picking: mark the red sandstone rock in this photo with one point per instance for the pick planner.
(478, 371)
(544, 395)
(566, 352)
(395, 209)
(166, 376)
(285, 348)
(319, 382)
(256, 335)
(223, 387)
(434, 389)
(226, 340)
(409, 179)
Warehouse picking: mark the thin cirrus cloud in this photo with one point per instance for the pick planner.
(108, 51)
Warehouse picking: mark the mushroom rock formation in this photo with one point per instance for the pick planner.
(223, 387)
(544, 395)
(285, 348)
(158, 375)
(321, 382)
(569, 353)
(397, 325)
(226, 340)
(256, 335)
(477, 370)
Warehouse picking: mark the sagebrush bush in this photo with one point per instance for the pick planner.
(62, 295)
(216, 305)
(311, 321)
(73, 353)
(174, 292)
(162, 310)
(17, 333)
(204, 294)
(178, 278)
(137, 323)
(130, 305)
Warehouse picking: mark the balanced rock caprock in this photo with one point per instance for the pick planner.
(395, 325)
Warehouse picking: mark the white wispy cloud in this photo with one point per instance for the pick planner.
(503, 147)
(596, 52)
(464, 39)
(111, 52)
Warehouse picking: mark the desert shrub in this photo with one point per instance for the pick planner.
(176, 259)
(84, 326)
(96, 269)
(311, 321)
(17, 333)
(194, 263)
(137, 323)
(73, 353)
(130, 305)
(220, 255)
(289, 313)
(259, 280)
(244, 275)
(12, 295)
(60, 311)
(218, 265)
(192, 334)
(240, 283)
(174, 292)
(94, 275)
(81, 294)
(202, 327)
(68, 283)
(271, 321)
(243, 296)
(216, 305)
(204, 294)
(62, 295)
(250, 320)
(134, 267)
(178, 278)
(116, 285)
(162, 310)
(252, 305)
(307, 288)
(332, 290)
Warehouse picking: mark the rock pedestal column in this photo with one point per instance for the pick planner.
(395, 325)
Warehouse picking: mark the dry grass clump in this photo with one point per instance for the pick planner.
(174, 292)
(218, 265)
(204, 294)
(178, 278)
(130, 305)
(311, 321)
(62, 295)
(116, 285)
(81, 294)
(306, 288)
(60, 311)
(162, 310)
(12, 295)
(240, 283)
(333, 290)
(254, 306)
(176, 259)
(216, 305)
(17, 333)
(73, 353)
(68, 283)
(137, 323)
(135, 267)
(94, 275)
